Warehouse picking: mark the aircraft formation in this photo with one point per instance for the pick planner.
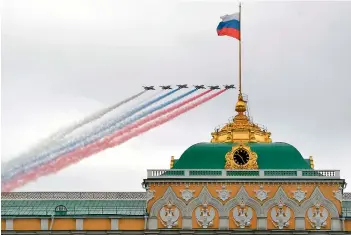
(183, 86)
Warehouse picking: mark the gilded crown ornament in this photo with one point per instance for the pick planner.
(241, 129)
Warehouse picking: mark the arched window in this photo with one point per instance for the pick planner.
(60, 210)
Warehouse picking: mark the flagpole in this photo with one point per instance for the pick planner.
(240, 50)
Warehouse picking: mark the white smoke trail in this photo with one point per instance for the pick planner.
(55, 138)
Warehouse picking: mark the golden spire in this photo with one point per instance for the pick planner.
(241, 129)
(240, 106)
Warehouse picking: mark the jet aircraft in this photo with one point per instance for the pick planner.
(199, 86)
(182, 86)
(229, 86)
(147, 88)
(166, 87)
(214, 87)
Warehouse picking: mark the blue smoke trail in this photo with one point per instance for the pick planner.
(106, 129)
(52, 140)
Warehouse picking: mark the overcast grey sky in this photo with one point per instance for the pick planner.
(62, 60)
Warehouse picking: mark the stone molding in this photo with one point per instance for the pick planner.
(261, 211)
(242, 195)
(168, 196)
(178, 232)
(280, 195)
(205, 197)
(317, 196)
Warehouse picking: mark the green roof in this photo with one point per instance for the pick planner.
(308, 161)
(269, 156)
(74, 207)
(346, 209)
(174, 162)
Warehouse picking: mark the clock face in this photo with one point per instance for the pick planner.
(241, 157)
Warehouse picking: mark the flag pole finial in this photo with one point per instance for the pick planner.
(240, 87)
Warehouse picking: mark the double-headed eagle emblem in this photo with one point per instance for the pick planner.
(205, 216)
(318, 217)
(169, 216)
(280, 218)
(242, 216)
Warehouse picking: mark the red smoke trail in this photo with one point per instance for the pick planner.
(153, 116)
(97, 146)
(63, 162)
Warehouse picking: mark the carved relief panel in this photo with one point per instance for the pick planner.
(169, 216)
(318, 217)
(281, 217)
(243, 216)
(205, 205)
(206, 216)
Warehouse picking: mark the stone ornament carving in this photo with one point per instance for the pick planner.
(205, 197)
(169, 217)
(205, 215)
(280, 217)
(186, 193)
(149, 195)
(223, 194)
(168, 196)
(281, 196)
(299, 195)
(243, 196)
(242, 216)
(317, 216)
(338, 194)
(261, 194)
(317, 197)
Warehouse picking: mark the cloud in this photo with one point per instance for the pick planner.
(64, 60)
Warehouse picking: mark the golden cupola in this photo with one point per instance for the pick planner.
(241, 129)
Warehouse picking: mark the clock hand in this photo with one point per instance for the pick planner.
(241, 158)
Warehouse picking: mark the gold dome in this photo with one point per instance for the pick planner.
(241, 129)
(240, 106)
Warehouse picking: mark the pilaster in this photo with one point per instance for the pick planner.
(44, 224)
(79, 224)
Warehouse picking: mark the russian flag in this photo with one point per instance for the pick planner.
(230, 26)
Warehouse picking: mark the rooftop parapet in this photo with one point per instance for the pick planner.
(242, 174)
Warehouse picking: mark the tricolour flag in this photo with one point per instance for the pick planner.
(230, 26)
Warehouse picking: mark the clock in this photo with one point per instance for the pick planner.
(241, 157)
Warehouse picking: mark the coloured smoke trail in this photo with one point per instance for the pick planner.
(32, 164)
(70, 145)
(61, 163)
(52, 139)
(96, 145)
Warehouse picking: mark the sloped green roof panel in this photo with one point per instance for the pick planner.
(270, 156)
(74, 207)
(346, 209)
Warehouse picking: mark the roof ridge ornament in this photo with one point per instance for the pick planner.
(241, 129)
